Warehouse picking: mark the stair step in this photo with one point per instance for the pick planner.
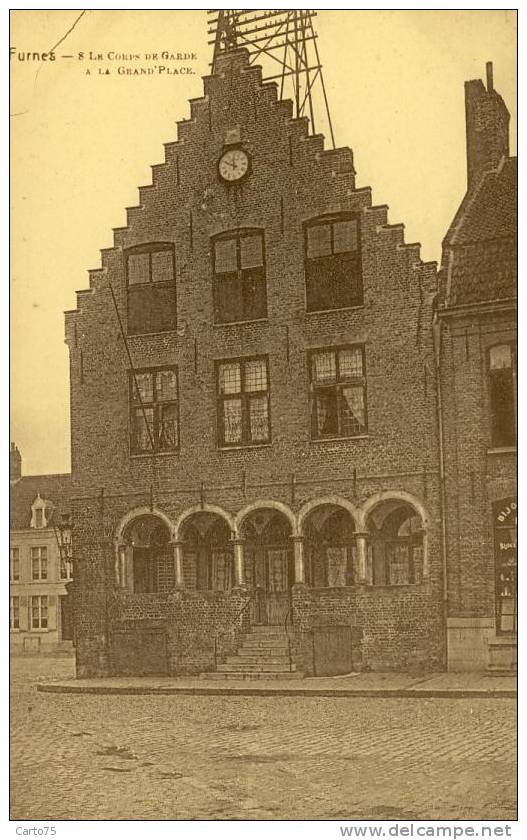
(256, 667)
(257, 660)
(264, 647)
(268, 629)
(237, 675)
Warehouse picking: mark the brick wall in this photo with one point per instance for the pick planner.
(294, 179)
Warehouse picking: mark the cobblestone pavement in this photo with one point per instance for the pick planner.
(180, 757)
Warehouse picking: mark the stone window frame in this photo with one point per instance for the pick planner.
(339, 384)
(39, 562)
(154, 404)
(237, 235)
(14, 563)
(38, 612)
(14, 612)
(317, 269)
(151, 248)
(497, 442)
(245, 398)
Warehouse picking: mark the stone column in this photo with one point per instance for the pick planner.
(239, 563)
(426, 565)
(300, 571)
(361, 541)
(179, 577)
(119, 549)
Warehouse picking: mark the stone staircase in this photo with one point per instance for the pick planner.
(263, 655)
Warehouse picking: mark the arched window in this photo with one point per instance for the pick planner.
(208, 553)
(151, 288)
(396, 544)
(333, 263)
(240, 292)
(148, 555)
(502, 385)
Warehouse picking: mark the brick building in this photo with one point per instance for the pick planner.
(476, 334)
(40, 568)
(253, 410)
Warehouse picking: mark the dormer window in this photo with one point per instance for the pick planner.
(151, 288)
(40, 513)
(240, 292)
(333, 263)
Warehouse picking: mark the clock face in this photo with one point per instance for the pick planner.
(233, 165)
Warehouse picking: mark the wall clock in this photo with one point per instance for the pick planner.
(233, 165)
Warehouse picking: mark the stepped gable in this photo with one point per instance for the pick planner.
(54, 488)
(483, 240)
(171, 208)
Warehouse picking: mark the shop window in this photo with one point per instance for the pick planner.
(151, 289)
(14, 613)
(14, 564)
(39, 562)
(154, 423)
(502, 384)
(243, 402)
(338, 392)
(39, 612)
(240, 292)
(332, 263)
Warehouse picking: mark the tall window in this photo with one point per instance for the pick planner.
(502, 376)
(151, 286)
(333, 264)
(154, 411)
(39, 612)
(338, 392)
(14, 613)
(240, 292)
(243, 402)
(14, 564)
(39, 562)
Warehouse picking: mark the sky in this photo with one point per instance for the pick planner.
(82, 144)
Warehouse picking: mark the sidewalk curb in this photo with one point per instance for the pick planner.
(260, 691)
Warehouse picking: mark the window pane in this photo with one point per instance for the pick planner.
(318, 241)
(144, 387)
(256, 375)
(228, 298)
(258, 419)
(352, 411)
(232, 421)
(398, 564)
(225, 258)
(162, 266)
(325, 417)
(251, 251)
(500, 357)
(166, 385)
(350, 362)
(140, 437)
(324, 367)
(168, 431)
(138, 269)
(502, 408)
(230, 378)
(254, 294)
(344, 236)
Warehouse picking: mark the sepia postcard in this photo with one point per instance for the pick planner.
(263, 481)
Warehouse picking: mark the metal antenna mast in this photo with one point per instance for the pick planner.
(284, 42)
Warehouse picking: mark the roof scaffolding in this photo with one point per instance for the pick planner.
(284, 42)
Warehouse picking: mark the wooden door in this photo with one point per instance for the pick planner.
(332, 652)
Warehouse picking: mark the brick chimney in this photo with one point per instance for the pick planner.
(487, 120)
(15, 463)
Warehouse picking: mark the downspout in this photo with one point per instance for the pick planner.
(436, 333)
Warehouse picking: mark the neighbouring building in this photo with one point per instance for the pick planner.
(476, 332)
(40, 564)
(253, 411)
